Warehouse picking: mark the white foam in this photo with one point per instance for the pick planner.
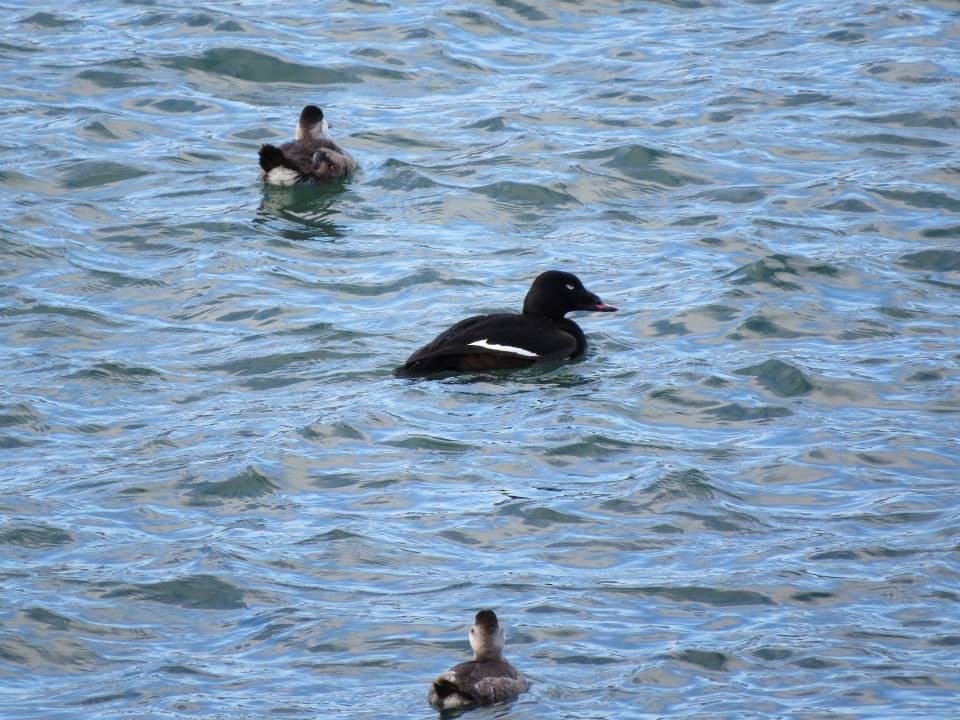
(504, 348)
(282, 176)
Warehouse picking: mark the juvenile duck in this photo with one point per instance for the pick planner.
(488, 678)
(539, 334)
(311, 158)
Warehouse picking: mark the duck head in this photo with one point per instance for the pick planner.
(312, 123)
(555, 293)
(487, 636)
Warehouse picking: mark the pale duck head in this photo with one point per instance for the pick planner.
(487, 636)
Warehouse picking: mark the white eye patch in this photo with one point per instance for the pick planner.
(570, 287)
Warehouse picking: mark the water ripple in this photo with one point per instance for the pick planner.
(218, 501)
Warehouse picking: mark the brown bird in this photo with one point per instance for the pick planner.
(311, 158)
(488, 678)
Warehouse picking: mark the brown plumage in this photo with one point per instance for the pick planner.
(488, 678)
(311, 158)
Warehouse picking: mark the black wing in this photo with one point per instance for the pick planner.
(509, 342)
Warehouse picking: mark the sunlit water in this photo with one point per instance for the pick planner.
(217, 502)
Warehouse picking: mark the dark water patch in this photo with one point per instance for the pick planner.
(815, 663)
(942, 232)
(918, 73)
(115, 372)
(771, 270)
(479, 22)
(736, 195)
(644, 164)
(735, 412)
(923, 199)
(866, 329)
(697, 220)
(891, 139)
(664, 328)
(51, 619)
(779, 377)
(595, 446)
(253, 365)
(769, 222)
(111, 80)
(581, 659)
(110, 279)
(260, 67)
(835, 555)
(772, 654)
(8, 442)
(176, 106)
(682, 398)
(936, 260)
(705, 659)
(900, 313)
(805, 98)
(526, 194)
(49, 21)
(915, 118)
(97, 173)
(332, 536)
(496, 123)
(399, 175)
(924, 376)
(59, 622)
(131, 696)
(716, 382)
(390, 141)
(22, 415)
(846, 36)
(814, 597)
(43, 658)
(202, 592)
(185, 670)
(70, 313)
(250, 483)
(522, 9)
(764, 327)
(34, 535)
(690, 484)
(430, 443)
(851, 205)
(326, 431)
(111, 129)
(540, 516)
(714, 597)
(423, 276)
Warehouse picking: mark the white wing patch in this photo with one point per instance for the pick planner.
(282, 176)
(504, 348)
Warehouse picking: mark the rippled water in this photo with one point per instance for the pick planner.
(217, 502)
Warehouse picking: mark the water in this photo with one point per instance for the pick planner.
(218, 503)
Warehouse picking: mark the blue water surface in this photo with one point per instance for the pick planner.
(216, 501)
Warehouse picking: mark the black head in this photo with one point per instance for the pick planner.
(555, 293)
(310, 116)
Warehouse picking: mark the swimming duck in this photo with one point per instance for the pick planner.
(488, 678)
(311, 158)
(539, 334)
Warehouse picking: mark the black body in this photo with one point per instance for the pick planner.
(539, 334)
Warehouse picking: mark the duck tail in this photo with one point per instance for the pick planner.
(272, 157)
(444, 688)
